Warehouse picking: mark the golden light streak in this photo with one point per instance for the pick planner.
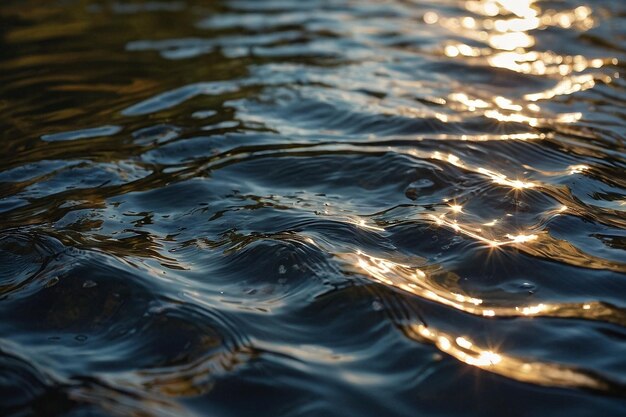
(471, 104)
(496, 177)
(506, 104)
(506, 29)
(361, 223)
(539, 373)
(521, 238)
(475, 233)
(456, 208)
(412, 280)
(566, 86)
(515, 117)
(503, 180)
(511, 41)
(532, 310)
(521, 8)
(463, 342)
(422, 282)
(516, 24)
(577, 169)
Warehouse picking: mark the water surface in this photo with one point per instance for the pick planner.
(312, 208)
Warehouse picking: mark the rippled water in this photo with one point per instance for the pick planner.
(313, 208)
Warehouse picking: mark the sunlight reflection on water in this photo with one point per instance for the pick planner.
(288, 208)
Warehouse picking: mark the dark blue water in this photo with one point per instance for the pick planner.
(312, 208)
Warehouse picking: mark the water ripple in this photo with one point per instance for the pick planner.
(288, 208)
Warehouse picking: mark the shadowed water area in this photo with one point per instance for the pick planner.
(312, 208)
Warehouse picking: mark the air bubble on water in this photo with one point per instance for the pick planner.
(89, 284)
(53, 281)
(282, 270)
(377, 305)
(529, 287)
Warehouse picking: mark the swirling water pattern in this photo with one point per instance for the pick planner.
(312, 208)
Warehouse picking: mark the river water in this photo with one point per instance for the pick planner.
(312, 208)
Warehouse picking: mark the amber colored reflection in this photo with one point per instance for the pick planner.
(506, 30)
(539, 244)
(477, 233)
(494, 176)
(423, 283)
(540, 373)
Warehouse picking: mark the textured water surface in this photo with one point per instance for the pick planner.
(312, 208)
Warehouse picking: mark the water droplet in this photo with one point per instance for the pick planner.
(282, 270)
(89, 284)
